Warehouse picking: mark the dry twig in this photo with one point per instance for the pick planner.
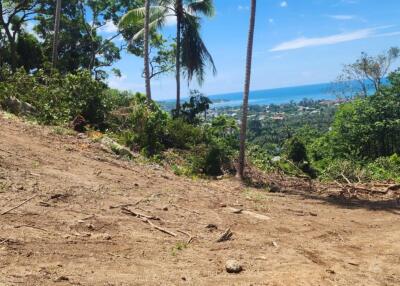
(20, 205)
(190, 237)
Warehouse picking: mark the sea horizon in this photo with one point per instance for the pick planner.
(319, 91)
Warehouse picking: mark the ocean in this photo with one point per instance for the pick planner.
(275, 96)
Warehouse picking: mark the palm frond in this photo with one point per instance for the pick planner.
(135, 18)
(195, 56)
(205, 7)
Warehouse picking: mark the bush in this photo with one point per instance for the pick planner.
(143, 125)
(182, 135)
(222, 144)
(385, 169)
(58, 99)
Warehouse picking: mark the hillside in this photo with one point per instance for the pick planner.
(75, 231)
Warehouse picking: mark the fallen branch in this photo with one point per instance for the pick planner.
(190, 237)
(20, 205)
(159, 228)
(138, 215)
(30, 226)
(121, 206)
(227, 235)
(147, 219)
(180, 207)
(249, 213)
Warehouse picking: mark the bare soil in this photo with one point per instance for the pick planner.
(74, 231)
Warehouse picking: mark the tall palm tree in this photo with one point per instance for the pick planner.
(192, 55)
(146, 48)
(243, 128)
(57, 17)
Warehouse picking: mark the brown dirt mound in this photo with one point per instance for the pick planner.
(75, 231)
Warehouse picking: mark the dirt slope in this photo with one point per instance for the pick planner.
(69, 235)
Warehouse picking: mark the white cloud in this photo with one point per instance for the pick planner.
(304, 42)
(271, 20)
(241, 8)
(342, 17)
(109, 28)
(170, 20)
(284, 4)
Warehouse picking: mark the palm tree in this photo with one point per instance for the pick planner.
(243, 128)
(57, 17)
(192, 55)
(146, 49)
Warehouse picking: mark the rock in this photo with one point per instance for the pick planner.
(18, 107)
(232, 266)
(81, 136)
(211, 226)
(61, 279)
(90, 226)
(165, 208)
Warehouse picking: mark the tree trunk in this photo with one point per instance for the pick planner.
(57, 17)
(179, 15)
(13, 52)
(243, 129)
(146, 49)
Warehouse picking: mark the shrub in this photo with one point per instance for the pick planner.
(385, 169)
(57, 98)
(343, 170)
(182, 135)
(143, 125)
(222, 144)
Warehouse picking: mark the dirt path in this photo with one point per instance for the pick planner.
(69, 235)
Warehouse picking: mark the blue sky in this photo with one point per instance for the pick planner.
(296, 42)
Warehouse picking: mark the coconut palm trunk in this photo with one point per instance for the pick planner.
(179, 15)
(243, 128)
(57, 17)
(146, 49)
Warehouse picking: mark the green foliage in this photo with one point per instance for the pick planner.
(209, 149)
(222, 145)
(198, 103)
(385, 169)
(367, 128)
(58, 99)
(143, 124)
(182, 135)
(296, 150)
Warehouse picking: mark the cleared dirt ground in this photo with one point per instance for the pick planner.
(74, 233)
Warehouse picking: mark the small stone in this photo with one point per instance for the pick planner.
(211, 226)
(165, 208)
(106, 236)
(90, 226)
(232, 266)
(61, 279)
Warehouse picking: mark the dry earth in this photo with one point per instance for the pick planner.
(68, 234)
